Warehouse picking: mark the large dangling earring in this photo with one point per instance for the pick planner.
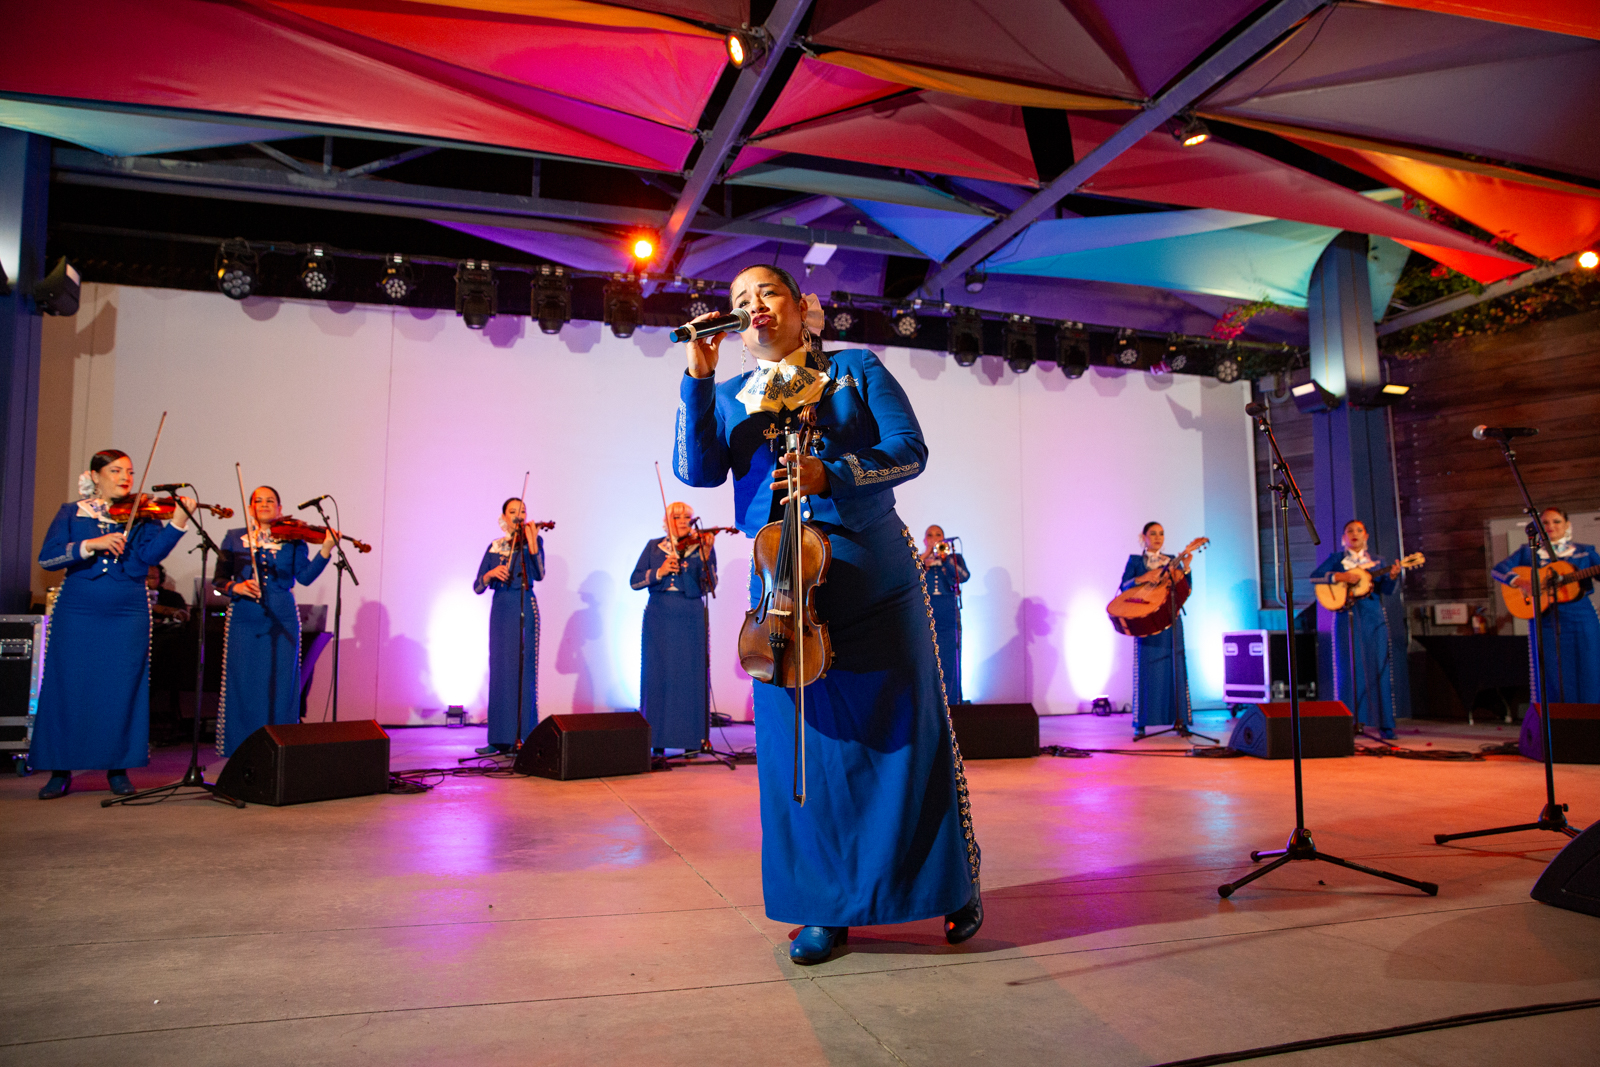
(744, 358)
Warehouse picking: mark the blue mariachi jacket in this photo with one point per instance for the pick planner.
(869, 442)
(1583, 557)
(499, 552)
(76, 523)
(944, 577)
(287, 563)
(698, 577)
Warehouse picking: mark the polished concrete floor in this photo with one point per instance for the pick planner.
(524, 921)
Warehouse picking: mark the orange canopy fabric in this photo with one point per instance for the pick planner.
(1580, 18)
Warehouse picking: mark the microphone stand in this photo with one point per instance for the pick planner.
(195, 776)
(342, 565)
(1300, 845)
(1554, 816)
(1178, 726)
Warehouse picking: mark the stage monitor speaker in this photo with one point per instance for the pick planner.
(1326, 729)
(1574, 733)
(995, 731)
(299, 762)
(601, 745)
(1572, 880)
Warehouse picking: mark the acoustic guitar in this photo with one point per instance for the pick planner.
(1336, 596)
(1146, 609)
(1558, 584)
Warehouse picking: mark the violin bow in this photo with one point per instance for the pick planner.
(249, 525)
(133, 513)
(666, 519)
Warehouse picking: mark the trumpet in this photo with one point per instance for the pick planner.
(942, 549)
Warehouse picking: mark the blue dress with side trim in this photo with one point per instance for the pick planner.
(885, 834)
(94, 701)
(1363, 677)
(504, 615)
(1572, 660)
(674, 682)
(1154, 701)
(944, 593)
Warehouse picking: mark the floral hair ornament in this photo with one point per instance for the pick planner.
(815, 319)
(85, 486)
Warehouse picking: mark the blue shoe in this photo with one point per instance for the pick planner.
(814, 944)
(1138, 733)
(120, 785)
(492, 750)
(961, 924)
(58, 786)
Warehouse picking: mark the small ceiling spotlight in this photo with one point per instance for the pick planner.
(1227, 369)
(1310, 397)
(397, 281)
(966, 336)
(1588, 260)
(1127, 351)
(746, 46)
(904, 323)
(699, 304)
(624, 305)
(643, 249)
(1022, 343)
(1072, 352)
(316, 275)
(551, 298)
(976, 280)
(1382, 397)
(843, 320)
(238, 269)
(477, 299)
(1189, 130)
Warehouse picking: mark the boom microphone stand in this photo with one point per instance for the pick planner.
(1554, 815)
(342, 565)
(1300, 845)
(195, 776)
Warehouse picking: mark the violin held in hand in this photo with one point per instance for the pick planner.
(289, 529)
(159, 509)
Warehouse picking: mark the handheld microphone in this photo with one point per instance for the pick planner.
(1502, 433)
(314, 501)
(1255, 410)
(170, 487)
(734, 321)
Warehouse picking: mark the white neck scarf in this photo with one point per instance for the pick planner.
(1356, 560)
(1563, 547)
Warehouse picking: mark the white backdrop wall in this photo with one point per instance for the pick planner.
(421, 428)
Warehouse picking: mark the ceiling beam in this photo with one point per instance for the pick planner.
(1447, 304)
(1191, 87)
(780, 28)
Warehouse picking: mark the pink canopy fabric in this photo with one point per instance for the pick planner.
(1580, 18)
(816, 89)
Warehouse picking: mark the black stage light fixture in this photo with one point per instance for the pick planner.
(238, 269)
(1072, 351)
(1310, 398)
(552, 298)
(1189, 131)
(1126, 351)
(58, 293)
(904, 323)
(1022, 343)
(1380, 397)
(976, 280)
(842, 320)
(397, 281)
(1227, 368)
(477, 299)
(746, 46)
(966, 336)
(624, 305)
(699, 304)
(316, 274)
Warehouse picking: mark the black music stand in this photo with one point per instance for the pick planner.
(195, 776)
(1300, 846)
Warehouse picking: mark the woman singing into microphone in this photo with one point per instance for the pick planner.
(261, 645)
(94, 703)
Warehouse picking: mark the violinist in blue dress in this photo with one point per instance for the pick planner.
(1160, 687)
(94, 700)
(945, 570)
(261, 643)
(510, 566)
(1362, 674)
(680, 571)
(885, 833)
(1572, 659)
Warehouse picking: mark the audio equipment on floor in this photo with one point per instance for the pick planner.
(602, 745)
(995, 731)
(1255, 665)
(304, 761)
(1326, 729)
(1574, 733)
(21, 667)
(1572, 880)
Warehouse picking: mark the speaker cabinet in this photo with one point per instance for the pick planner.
(995, 731)
(1572, 880)
(603, 745)
(1326, 729)
(21, 669)
(1574, 733)
(300, 762)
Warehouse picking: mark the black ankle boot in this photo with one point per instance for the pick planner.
(962, 923)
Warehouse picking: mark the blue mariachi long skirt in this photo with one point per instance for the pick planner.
(1572, 675)
(1153, 690)
(673, 686)
(503, 620)
(1362, 677)
(947, 635)
(885, 834)
(95, 717)
(260, 667)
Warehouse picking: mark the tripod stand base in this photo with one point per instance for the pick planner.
(1553, 817)
(729, 760)
(1181, 730)
(194, 778)
(1301, 847)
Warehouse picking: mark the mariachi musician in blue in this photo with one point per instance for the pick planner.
(1363, 677)
(94, 702)
(261, 644)
(1160, 687)
(944, 571)
(1572, 660)
(885, 834)
(513, 625)
(679, 570)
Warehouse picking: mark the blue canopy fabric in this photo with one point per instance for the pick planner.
(934, 233)
(119, 133)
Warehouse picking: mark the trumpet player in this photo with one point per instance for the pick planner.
(943, 572)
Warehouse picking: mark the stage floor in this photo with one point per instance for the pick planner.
(619, 921)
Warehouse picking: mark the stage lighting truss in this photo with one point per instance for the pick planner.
(1022, 343)
(238, 269)
(476, 294)
(1189, 131)
(746, 46)
(551, 298)
(316, 273)
(904, 323)
(966, 336)
(624, 305)
(397, 282)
